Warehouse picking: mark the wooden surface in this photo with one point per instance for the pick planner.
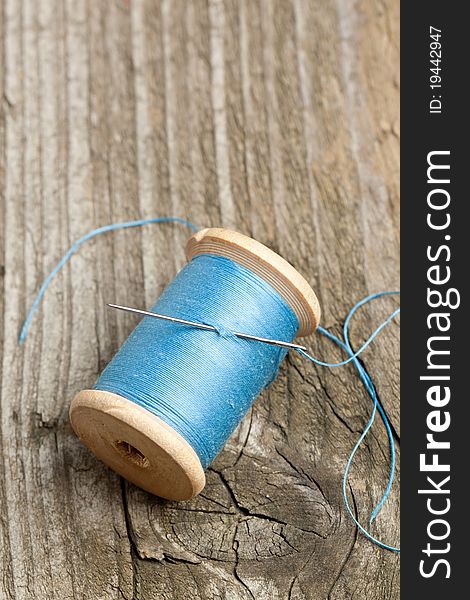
(276, 118)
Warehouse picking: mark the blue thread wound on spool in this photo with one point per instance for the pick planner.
(202, 383)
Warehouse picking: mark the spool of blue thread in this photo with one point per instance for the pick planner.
(172, 395)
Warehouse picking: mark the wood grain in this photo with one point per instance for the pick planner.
(277, 118)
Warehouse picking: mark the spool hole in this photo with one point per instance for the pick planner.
(132, 454)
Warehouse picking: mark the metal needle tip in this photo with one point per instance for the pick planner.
(245, 336)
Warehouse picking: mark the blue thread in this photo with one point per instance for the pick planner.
(191, 378)
(224, 333)
(369, 386)
(74, 248)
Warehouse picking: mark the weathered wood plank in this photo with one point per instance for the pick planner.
(276, 118)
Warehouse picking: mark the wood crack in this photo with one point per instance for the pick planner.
(351, 548)
(132, 543)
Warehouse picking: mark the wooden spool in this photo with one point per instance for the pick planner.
(139, 445)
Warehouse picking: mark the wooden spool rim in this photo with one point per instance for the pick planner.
(268, 265)
(139, 445)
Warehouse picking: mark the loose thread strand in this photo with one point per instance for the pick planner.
(76, 246)
(369, 386)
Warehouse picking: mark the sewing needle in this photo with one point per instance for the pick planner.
(245, 336)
